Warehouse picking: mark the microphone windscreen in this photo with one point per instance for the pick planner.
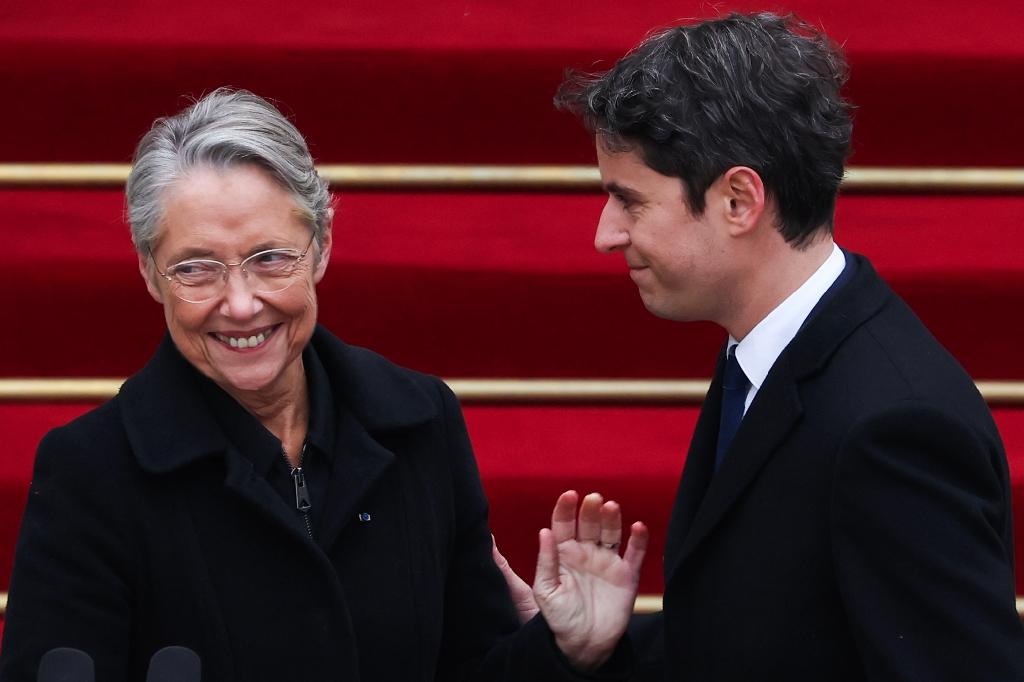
(174, 664)
(66, 665)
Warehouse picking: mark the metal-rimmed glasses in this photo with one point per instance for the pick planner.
(198, 280)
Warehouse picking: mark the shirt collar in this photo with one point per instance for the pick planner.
(762, 346)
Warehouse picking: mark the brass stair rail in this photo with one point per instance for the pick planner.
(533, 177)
(672, 391)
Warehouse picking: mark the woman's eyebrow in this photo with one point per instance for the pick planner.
(191, 253)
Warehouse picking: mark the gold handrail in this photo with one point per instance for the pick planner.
(536, 177)
(677, 391)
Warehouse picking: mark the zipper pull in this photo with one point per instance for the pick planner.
(302, 502)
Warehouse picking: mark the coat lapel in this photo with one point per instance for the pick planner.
(704, 498)
(359, 461)
(697, 471)
(169, 427)
(771, 416)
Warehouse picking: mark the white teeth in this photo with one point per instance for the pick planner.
(244, 342)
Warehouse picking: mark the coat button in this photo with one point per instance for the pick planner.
(364, 516)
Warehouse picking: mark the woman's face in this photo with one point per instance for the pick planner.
(228, 215)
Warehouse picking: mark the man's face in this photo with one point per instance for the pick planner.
(678, 261)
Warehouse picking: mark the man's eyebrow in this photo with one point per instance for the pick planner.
(616, 188)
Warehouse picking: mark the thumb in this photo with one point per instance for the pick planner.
(545, 581)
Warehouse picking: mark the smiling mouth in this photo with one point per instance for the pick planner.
(245, 342)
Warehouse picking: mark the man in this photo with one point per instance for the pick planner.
(844, 512)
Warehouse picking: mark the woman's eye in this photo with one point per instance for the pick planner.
(271, 262)
(270, 257)
(193, 269)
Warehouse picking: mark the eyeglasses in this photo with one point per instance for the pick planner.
(199, 280)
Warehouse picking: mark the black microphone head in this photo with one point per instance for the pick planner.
(174, 664)
(66, 665)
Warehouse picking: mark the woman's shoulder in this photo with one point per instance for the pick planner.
(93, 442)
(382, 390)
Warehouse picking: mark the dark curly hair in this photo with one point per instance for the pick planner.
(760, 90)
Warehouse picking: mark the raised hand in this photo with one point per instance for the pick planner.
(583, 587)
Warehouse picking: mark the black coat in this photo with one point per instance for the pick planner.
(860, 525)
(146, 528)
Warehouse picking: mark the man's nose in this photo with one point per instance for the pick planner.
(611, 229)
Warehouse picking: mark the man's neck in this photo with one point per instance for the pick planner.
(779, 271)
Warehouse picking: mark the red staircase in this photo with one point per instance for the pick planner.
(476, 283)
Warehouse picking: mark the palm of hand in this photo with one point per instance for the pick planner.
(583, 587)
(593, 597)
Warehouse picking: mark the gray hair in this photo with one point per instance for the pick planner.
(223, 129)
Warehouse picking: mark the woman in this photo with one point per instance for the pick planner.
(285, 505)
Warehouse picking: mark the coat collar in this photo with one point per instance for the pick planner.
(703, 497)
(169, 426)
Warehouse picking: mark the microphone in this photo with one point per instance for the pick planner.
(174, 664)
(65, 664)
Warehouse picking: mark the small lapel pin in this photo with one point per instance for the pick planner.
(364, 516)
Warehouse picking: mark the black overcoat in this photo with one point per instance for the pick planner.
(859, 527)
(146, 528)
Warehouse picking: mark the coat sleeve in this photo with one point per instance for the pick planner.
(481, 638)
(73, 565)
(923, 548)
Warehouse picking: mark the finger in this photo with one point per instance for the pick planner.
(636, 548)
(515, 583)
(589, 526)
(563, 517)
(611, 525)
(519, 590)
(545, 581)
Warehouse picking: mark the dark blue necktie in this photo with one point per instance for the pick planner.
(734, 394)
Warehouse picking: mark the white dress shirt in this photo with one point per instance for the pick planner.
(759, 350)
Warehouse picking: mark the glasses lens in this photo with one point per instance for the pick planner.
(266, 272)
(272, 271)
(197, 280)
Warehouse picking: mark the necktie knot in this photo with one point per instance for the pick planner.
(733, 379)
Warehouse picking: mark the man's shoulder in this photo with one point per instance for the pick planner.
(892, 360)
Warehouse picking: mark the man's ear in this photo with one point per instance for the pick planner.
(325, 252)
(742, 196)
(148, 273)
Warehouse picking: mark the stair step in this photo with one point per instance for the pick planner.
(494, 284)
(451, 81)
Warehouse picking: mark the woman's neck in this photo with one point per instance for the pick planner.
(282, 409)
